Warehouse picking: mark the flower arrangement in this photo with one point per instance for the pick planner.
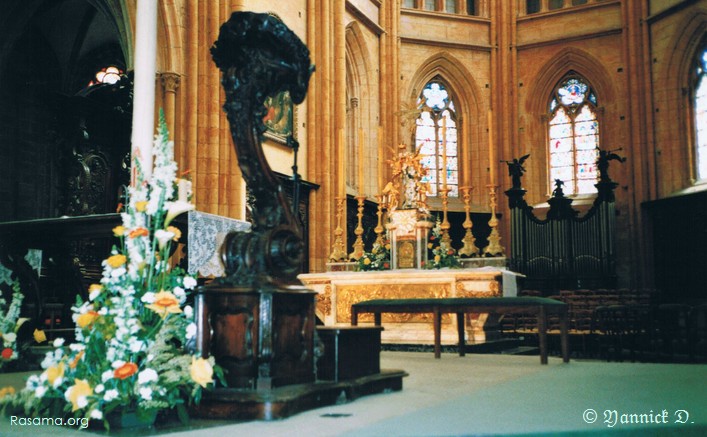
(130, 351)
(442, 254)
(377, 259)
(9, 316)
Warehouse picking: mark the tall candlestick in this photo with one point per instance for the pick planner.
(444, 152)
(380, 151)
(492, 152)
(360, 161)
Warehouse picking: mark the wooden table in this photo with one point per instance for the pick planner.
(539, 306)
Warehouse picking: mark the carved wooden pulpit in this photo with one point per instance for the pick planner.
(258, 320)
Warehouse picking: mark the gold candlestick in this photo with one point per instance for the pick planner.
(338, 252)
(444, 194)
(379, 228)
(494, 247)
(469, 248)
(358, 244)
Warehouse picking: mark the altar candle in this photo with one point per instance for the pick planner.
(492, 151)
(380, 148)
(444, 153)
(360, 161)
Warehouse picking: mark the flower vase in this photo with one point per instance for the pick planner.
(131, 418)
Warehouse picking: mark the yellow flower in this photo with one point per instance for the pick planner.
(366, 261)
(39, 336)
(7, 391)
(55, 372)
(201, 371)
(175, 230)
(86, 318)
(119, 231)
(429, 245)
(437, 258)
(116, 261)
(164, 303)
(76, 394)
(141, 206)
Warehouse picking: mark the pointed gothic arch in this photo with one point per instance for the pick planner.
(447, 69)
(678, 71)
(359, 109)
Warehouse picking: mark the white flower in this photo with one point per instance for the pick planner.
(99, 388)
(94, 294)
(58, 382)
(10, 337)
(188, 311)
(146, 393)
(135, 346)
(146, 376)
(163, 237)
(39, 392)
(82, 401)
(148, 297)
(178, 292)
(59, 342)
(107, 375)
(119, 363)
(117, 273)
(189, 282)
(96, 414)
(76, 347)
(110, 395)
(191, 331)
(176, 208)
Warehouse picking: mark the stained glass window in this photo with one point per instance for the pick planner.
(436, 139)
(109, 75)
(701, 114)
(430, 5)
(408, 3)
(574, 137)
(451, 6)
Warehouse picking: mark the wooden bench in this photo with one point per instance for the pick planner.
(539, 306)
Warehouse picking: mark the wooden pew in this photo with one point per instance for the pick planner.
(540, 306)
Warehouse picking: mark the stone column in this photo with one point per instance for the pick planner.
(170, 83)
(144, 86)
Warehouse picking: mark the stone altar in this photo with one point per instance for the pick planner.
(337, 291)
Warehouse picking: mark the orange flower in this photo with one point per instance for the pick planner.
(116, 261)
(177, 233)
(119, 231)
(141, 206)
(165, 303)
(125, 371)
(139, 232)
(86, 319)
(75, 362)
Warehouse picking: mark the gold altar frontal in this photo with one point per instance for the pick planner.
(337, 291)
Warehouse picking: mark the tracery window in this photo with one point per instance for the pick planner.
(573, 136)
(700, 109)
(436, 139)
(110, 75)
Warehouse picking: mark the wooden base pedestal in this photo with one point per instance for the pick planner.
(349, 352)
(282, 402)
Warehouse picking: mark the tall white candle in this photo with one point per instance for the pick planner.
(144, 86)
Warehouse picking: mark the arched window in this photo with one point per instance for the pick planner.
(436, 138)
(700, 108)
(574, 136)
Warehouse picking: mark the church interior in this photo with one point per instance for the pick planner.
(444, 149)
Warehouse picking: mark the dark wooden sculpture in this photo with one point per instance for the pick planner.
(258, 320)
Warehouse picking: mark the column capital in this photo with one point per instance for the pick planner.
(170, 81)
